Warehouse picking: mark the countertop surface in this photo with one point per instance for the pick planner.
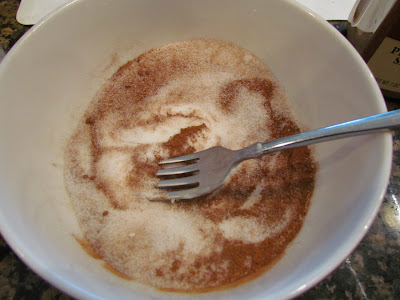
(372, 271)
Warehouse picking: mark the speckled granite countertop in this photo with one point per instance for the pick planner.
(372, 271)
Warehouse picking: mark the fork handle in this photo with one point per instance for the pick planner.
(362, 126)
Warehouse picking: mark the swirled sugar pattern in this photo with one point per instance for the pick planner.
(175, 100)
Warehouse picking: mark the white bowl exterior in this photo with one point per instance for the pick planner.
(51, 74)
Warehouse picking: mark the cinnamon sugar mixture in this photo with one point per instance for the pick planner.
(171, 101)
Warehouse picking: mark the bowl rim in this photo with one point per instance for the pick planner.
(319, 274)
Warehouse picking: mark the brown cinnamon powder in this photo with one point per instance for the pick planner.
(171, 101)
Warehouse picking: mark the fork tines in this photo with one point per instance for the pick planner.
(180, 159)
(175, 176)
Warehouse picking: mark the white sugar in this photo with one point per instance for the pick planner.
(144, 239)
(251, 229)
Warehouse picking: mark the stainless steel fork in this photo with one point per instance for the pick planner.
(207, 170)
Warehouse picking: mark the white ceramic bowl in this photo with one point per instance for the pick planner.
(53, 71)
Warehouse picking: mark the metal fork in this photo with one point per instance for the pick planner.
(207, 170)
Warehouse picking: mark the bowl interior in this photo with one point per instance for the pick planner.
(53, 72)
